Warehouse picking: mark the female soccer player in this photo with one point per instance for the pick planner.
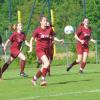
(83, 36)
(51, 50)
(43, 36)
(16, 39)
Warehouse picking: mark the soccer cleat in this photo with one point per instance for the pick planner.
(43, 83)
(23, 74)
(69, 67)
(34, 82)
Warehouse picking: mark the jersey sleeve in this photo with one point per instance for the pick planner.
(52, 32)
(11, 37)
(35, 33)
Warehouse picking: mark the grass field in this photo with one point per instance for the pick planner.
(61, 85)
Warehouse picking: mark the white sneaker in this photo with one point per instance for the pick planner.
(34, 83)
(43, 83)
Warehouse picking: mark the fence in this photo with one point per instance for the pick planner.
(97, 47)
(66, 53)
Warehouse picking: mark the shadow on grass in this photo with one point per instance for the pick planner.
(67, 82)
(55, 75)
(92, 72)
(75, 73)
(17, 78)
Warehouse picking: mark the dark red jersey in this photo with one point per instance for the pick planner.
(84, 34)
(43, 37)
(17, 39)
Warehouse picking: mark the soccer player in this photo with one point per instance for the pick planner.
(16, 39)
(43, 34)
(51, 49)
(83, 36)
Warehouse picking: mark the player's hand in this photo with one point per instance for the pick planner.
(82, 41)
(62, 41)
(94, 41)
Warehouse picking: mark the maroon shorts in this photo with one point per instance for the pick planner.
(14, 52)
(81, 49)
(41, 51)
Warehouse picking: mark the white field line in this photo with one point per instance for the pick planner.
(59, 94)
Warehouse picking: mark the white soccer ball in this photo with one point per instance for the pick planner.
(68, 29)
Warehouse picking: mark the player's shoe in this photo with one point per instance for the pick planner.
(33, 82)
(43, 83)
(69, 67)
(23, 74)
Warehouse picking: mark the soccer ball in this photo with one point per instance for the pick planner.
(68, 29)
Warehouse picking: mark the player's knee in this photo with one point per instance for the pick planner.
(23, 58)
(84, 60)
(78, 60)
(46, 64)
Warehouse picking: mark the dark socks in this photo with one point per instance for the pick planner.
(74, 63)
(22, 65)
(5, 66)
(83, 65)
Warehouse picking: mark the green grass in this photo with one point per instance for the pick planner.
(61, 85)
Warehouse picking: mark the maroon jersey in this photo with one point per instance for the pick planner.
(17, 39)
(84, 34)
(43, 37)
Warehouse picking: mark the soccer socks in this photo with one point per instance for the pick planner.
(44, 72)
(5, 66)
(74, 63)
(38, 74)
(22, 65)
(49, 70)
(71, 65)
(82, 65)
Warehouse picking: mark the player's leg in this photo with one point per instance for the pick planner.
(38, 75)
(77, 61)
(42, 56)
(50, 57)
(5, 66)
(79, 49)
(83, 63)
(42, 72)
(45, 65)
(49, 74)
(22, 58)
